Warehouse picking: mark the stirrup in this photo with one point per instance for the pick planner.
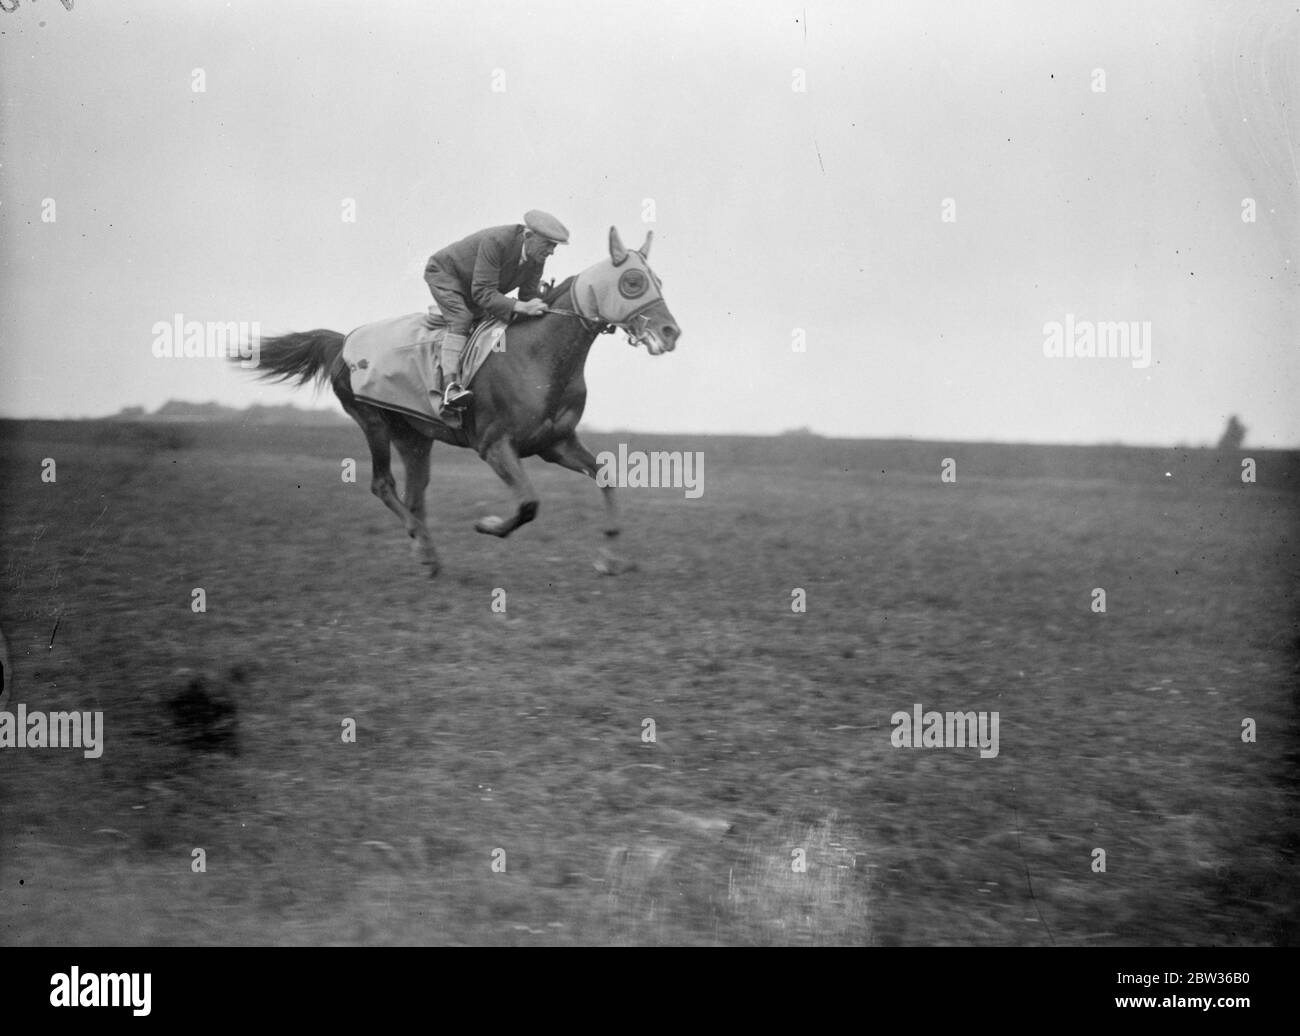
(456, 396)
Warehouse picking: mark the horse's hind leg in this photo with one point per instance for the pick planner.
(414, 449)
(504, 461)
(382, 483)
(571, 454)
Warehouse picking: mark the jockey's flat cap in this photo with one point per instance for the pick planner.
(548, 226)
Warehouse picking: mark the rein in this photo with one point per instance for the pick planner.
(590, 325)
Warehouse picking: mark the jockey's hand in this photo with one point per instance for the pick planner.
(531, 308)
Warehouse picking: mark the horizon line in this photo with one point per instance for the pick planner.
(794, 433)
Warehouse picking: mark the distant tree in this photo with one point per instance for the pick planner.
(802, 432)
(1233, 435)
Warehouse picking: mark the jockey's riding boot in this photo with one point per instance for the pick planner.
(455, 395)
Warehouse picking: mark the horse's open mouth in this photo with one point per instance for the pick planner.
(654, 345)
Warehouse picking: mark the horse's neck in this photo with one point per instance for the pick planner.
(567, 353)
(565, 349)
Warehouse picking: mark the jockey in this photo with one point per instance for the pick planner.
(469, 281)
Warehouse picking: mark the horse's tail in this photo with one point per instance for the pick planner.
(300, 356)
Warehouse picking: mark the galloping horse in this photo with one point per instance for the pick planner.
(528, 398)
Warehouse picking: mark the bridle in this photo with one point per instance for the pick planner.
(637, 334)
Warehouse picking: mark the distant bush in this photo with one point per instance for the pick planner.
(1233, 435)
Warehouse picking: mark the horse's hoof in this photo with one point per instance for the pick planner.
(427, 556)
(491, 525)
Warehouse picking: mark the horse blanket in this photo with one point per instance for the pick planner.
(390, 367)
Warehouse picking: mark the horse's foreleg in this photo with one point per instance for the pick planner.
(503, 459)
(573, 455)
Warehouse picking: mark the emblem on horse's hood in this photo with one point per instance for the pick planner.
(633, 284)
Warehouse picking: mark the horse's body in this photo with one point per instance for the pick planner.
(528, 398)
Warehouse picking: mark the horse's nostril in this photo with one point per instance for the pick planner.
(670, 332)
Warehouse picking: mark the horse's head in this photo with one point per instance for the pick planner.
(622, 290)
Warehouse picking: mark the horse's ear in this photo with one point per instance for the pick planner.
(617, 252)
(645, 248)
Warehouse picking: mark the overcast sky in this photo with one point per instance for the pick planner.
(774, 208)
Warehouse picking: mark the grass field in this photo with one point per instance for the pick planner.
(522, 731)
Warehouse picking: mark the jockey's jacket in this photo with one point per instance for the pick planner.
(486, 265)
